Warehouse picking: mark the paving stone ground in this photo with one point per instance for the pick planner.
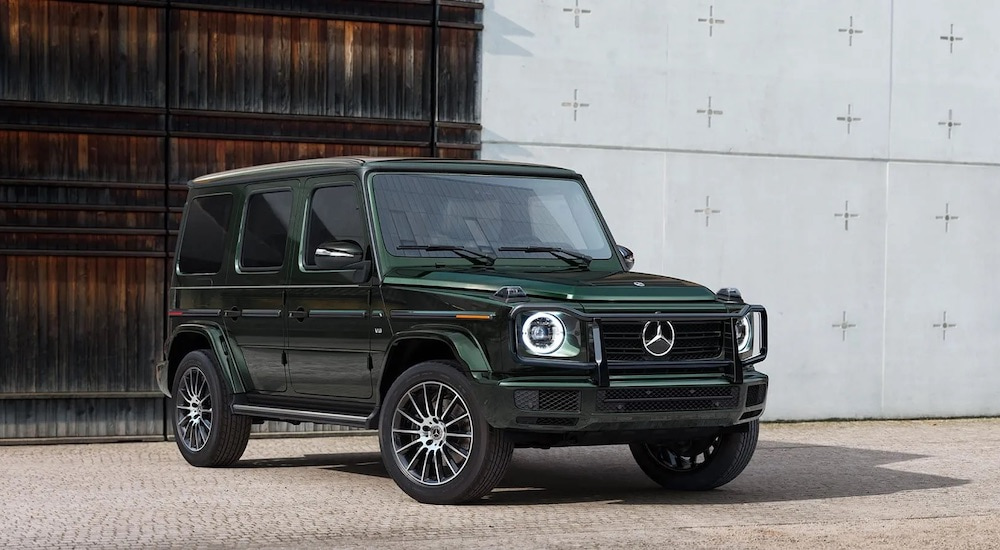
(907, 484)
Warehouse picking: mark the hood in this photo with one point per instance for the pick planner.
(572, 285)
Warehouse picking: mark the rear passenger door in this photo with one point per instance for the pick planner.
(328, 310)
(253, 299)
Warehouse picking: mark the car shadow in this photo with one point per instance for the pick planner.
(779, 472)
(369, 464)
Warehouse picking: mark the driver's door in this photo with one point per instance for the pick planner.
(328, 320)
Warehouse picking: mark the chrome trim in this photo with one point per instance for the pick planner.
(338, 313)
(266, 313)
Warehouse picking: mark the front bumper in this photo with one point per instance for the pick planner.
(646, 404)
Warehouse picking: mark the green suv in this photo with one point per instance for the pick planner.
(462, 308)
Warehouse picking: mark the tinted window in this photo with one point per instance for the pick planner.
(333, 216)
(486, 213)
(205, 230)
(265, 231)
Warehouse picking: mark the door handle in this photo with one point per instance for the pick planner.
(299, 314)
(232, 313)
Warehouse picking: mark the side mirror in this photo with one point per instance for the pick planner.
(627, 256)
(339, 255)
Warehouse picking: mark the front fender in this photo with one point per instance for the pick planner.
(466, 348)
(181, 340)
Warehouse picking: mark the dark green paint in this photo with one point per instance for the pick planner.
(329, 346)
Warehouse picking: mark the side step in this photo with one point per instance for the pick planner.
(275, 413)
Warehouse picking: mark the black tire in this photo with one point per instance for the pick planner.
(200, 395)
(432, 423)
(698, 465)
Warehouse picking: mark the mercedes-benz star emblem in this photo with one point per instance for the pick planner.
(658, 337)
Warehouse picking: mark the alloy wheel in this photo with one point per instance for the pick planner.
(194, 410)
(432, 433)
(684, 456)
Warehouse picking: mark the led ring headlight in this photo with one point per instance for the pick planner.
(744, 334)
(543, 333)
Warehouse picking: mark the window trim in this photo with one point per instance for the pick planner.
(307, 219)
(184, 230)
(240, 268)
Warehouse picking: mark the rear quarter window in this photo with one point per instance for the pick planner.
(204, 237)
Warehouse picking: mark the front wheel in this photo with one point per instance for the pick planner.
(434, 438)
(697, 465)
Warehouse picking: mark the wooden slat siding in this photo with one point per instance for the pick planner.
(459, 87)
(26, 223)
(285, 427)
(294, 52)
(51, 418)
(201, 156)
(102, 313)
(89, 205)
(80, 53)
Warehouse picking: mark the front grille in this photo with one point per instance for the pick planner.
(693, 341)
(756, 395)
(701, 398)
(547, 400)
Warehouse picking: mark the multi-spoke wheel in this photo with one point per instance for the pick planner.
(207, 432)
(194, 410)
(700, 464)
(435, 441)
(432, 433)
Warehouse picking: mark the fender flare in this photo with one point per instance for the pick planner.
(465, 347)
(230, 360)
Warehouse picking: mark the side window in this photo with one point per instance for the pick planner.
(265, 230)
(333, 216)
(205, 230)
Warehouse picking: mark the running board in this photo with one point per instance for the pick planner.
(274, 413)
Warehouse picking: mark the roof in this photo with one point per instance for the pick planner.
(348, 164)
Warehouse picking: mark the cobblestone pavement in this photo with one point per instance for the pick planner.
(916, 484)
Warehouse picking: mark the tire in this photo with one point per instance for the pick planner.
(206, 431)
(698, 465)
(434, 438)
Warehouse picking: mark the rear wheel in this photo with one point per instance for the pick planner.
(434, 438)
(205, 429)
(697, 465)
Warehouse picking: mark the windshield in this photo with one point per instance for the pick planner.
(486, 214)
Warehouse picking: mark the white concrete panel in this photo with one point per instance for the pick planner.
(547, 80)
(628, 186)
(781, 73)
(933, 269)
(774, 232)
(944, 60)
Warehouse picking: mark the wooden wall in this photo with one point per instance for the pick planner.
(108, 107)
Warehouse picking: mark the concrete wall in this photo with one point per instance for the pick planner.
(887, 313)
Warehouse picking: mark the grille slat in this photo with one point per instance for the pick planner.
(693, 341)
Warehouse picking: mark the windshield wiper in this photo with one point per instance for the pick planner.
(473, 256)
(571, 257)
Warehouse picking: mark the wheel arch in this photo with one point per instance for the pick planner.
(413, 347)
(190, 337)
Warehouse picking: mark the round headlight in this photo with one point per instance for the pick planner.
(543, 333)
(744, 334)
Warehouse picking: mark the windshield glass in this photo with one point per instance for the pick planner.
(485, 214)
